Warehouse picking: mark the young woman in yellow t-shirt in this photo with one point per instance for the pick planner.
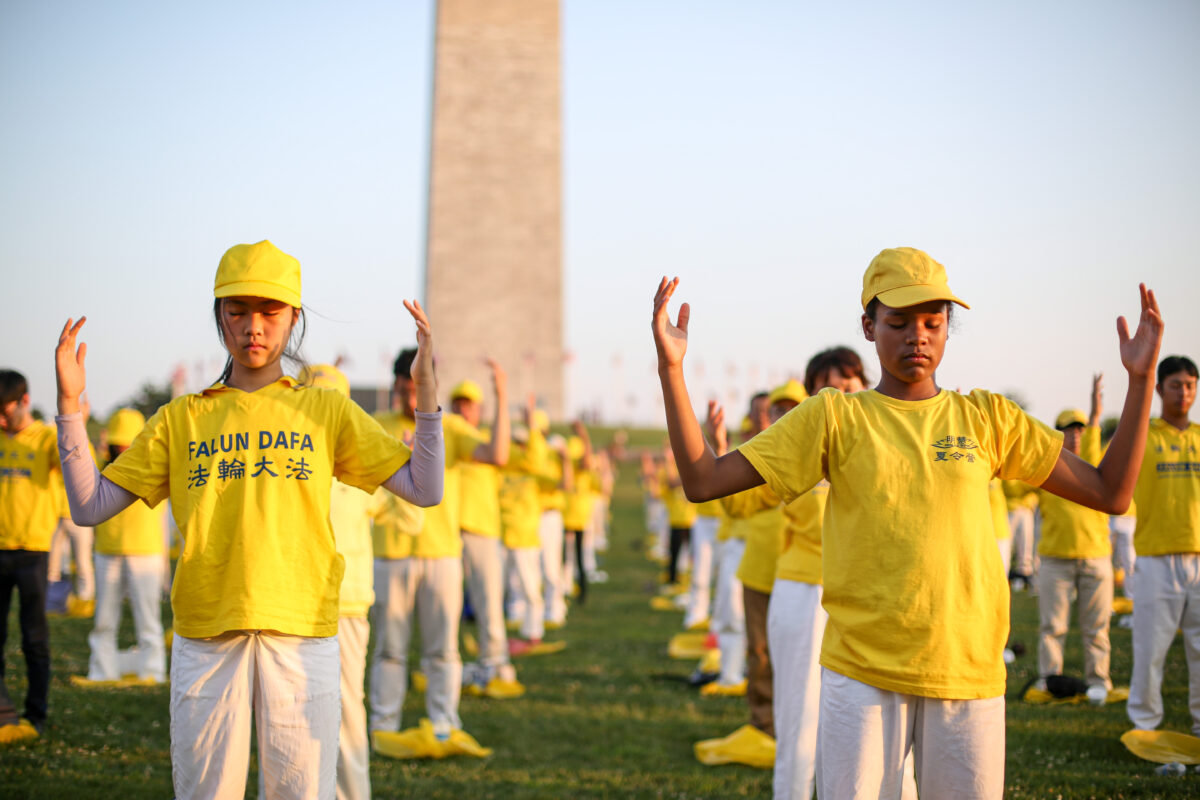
(917, 604)
(248, 465)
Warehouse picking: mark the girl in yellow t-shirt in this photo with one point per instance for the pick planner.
(248, 465)
(914, 590)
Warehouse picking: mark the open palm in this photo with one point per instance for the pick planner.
(68, 366)
(1139, 353)
(670, 340)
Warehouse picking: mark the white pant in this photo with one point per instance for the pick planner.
(71, 539)
(1124, 557)
(289, 683)
(795, 625)
(528, 606)
(141, 578)
(1167, 599)
(658, 523)
(866, 735)
(1006, 548)
(550, 529)
(483, 563)
(1090, 581)
(729, 615)
(431, 590)
(704, 542)
(1020, 520)
(353, 763)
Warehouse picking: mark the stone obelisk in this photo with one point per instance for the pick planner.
(493, 268)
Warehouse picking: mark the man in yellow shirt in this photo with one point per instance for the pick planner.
(1167, 539)
(483, 553)
(29, 513)
(427, 585)
(1076, 561)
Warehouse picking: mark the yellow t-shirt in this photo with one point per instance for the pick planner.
(999, 505)
(759, 515)
(137, 531)
(1018, 494)
(681, 512)
(724, 528)
(350, 514)
(549, 474)
(1168, 492)
(800, 560)
(30, 499)
(249, 477)
(709, 508)
(520, 500)
(394, 526)
(479, 507)
(441, 535)
(914, 588)
(577, 511)
(1070, 530)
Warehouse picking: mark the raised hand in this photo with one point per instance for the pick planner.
(670, 340)
(1097, 398)
(68, 367)
(422, 366)
(499, 377)
(1139, 353)
(715, 422)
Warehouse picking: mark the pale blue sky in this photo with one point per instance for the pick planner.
(764, 151)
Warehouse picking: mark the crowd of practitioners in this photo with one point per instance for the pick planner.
(300, 526)
(852, 559)
(861, 600)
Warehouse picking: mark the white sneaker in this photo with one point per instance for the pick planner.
(1097, 695)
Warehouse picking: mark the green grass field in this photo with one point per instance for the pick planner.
(608, 717)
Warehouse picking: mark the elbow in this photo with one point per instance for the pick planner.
(429, 498)
(695, 494)
(85, 520)
(1117, 506)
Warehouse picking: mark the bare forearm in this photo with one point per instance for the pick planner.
(1121, 464)
(427, 397)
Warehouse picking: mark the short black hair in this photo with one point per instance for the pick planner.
(843, 359)
(402, 367)
(1172, 364)
(13, 386)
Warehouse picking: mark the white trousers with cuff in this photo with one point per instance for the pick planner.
(1166, 599)
(528, 604)
(1090, 581)
(139, 577)
(288, 684)
(1124, 556)
(428, 590)
(483, 564)
(1020, 520)
(73, 540)
(354, 749)
(550, 529)
(703, 546)
(867, 734)
(795, 625)
(729, 614)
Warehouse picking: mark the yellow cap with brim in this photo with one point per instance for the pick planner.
(792, 390)
(904, 276)
(467, 390)
(258, 270)
(325, 376)
(124, 426)
(1072, 416)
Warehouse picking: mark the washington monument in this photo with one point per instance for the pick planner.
(493, 268)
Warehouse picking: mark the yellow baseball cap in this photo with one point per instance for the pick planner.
(1072, 416)
(258, 270)
(467, 390)
(326, 376)
(792, 390)
(904, 276)
(124, 426)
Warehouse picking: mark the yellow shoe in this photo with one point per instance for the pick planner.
(124, 682)
(663, 604)
(718, 689)
(688, 645)
(80, 609)
(1117, 694)
(551, 625)
(421, 742)
(1037, 696)
(711, 661)
(470, 645)
(418, 681)
(700, 625)
(500, 689)
(1163, 747)
(1122, 605)
(747, 745)
(18, 732)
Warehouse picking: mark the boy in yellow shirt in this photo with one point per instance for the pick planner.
(29, 513)
(1076, 560)
(1167, 539)
(917, 604)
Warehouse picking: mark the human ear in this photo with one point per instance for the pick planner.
(868, 326)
